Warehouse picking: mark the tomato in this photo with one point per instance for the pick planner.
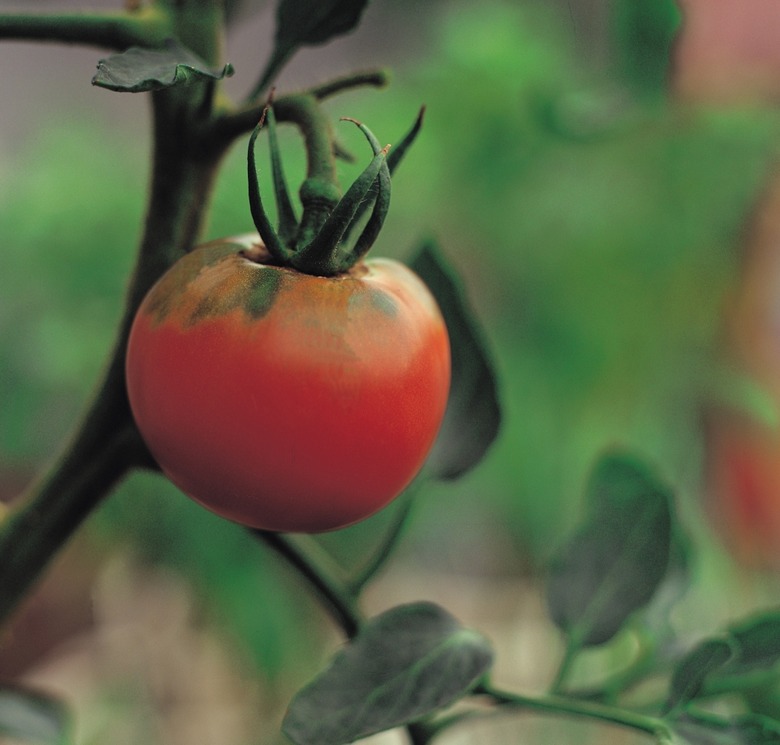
(742, 474)
(282, 400)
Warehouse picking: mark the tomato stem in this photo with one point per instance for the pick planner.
(318, 569)
(320, 192)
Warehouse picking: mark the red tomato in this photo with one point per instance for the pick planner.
(743, 487)
(282, 400)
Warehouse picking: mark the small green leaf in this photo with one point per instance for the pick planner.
(301, 23)
(693, 670)
(758, 644)
(32, 718)
(613, 564)
(138, 70)
(473, 415)
(749, 729)
(404, 664)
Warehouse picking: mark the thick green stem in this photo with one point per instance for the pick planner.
(319, 192)
(106, 446)
(148, 27)
(231, 124)
(74, 488)
(573, 647)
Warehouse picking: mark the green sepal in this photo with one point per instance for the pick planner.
(399, 150)
(394, 157)
(288, 222)
(381, 206)
(273, 243)
(318, 256)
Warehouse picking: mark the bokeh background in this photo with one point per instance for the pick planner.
(603, 175)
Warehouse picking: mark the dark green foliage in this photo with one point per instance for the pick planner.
(299, 22)
(692, 671)
(406, 663)
(742, 730)
(644, 33)
(473, 415)
(617, 558)
(741, 657)
(138, 70)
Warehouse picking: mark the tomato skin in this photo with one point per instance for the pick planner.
(286, 401)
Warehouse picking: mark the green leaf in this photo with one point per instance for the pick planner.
(300, 22)
(31, 717)
(473, 415)
(692, 671)
(675, 584)
(758, 644)
(741, 730)
(404, 664)
(137, 70)
(613, 564)
(644, 35)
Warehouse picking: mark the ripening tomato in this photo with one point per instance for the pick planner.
(282, 400)
(742, 481)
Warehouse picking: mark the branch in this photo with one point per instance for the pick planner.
(147, 27)
(52, 513)
(231, 125)
(575, 708)
(317, 569)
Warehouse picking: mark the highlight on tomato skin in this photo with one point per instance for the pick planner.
(286, 401)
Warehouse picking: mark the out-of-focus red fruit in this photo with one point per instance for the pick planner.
(742, 487)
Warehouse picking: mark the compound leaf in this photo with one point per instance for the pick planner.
(404, 664)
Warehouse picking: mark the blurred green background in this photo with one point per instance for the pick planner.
(595, 222)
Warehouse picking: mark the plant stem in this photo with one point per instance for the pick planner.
(72, 490)
(384, 550)
(373, 78)
(316, 567)
(230, 125)
(585, 709)
(275, 64)
(319, 192)
(569, 655)
(146, 27)
(107, 445)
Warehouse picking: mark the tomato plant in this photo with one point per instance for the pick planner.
(289, 383)
(283, 400)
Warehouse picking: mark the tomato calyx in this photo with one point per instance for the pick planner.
(334, 231)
